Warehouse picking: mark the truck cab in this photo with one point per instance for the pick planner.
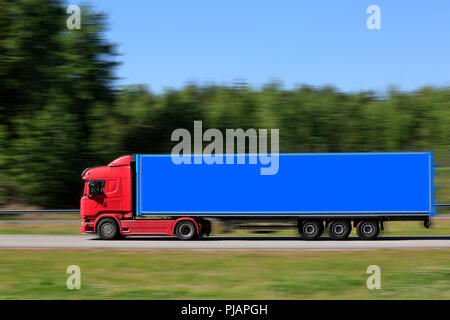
(107, 206)
(106, 193)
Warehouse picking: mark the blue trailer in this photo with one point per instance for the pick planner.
(319, 190)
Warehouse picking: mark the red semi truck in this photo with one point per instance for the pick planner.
(152, 195)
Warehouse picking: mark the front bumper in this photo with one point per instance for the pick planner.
(87, 227)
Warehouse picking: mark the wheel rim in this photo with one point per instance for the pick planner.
(338, 229)
(107, 229)
(367, 229)
(309, 229)
(185, 230)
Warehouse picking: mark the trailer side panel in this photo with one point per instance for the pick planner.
(305, 184)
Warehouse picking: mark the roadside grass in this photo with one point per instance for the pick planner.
(14, 227)
(440, 227)
(442, 185)
(222, 274)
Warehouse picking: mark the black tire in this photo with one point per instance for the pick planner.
(368, 229)
(108, 229)
(310, 229)
(185, 230)
(339, 230)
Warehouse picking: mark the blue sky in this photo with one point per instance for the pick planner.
(169, 43)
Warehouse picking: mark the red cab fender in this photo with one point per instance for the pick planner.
(108, 215)
(172, 230)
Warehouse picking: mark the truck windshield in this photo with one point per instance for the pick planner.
(96, 187)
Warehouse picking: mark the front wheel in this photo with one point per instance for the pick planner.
(185, 230)
(367, 230)
(108, 229)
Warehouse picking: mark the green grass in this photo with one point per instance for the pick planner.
(196, 274)
(442, 185)
(394, 228)
(39, 228)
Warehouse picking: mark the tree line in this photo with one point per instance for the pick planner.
(61, 110)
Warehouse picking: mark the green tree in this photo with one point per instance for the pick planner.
(51, 79)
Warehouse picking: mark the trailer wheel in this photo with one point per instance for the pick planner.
(185, 230)
(368, 229)
(108, 229)
(310, 229)
(339, 230)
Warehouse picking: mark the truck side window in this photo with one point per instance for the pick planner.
(96, 187)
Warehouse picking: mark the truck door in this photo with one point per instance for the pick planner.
(96, 196)
(113, 199)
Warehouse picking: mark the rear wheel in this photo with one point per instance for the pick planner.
(339, 230)
(108, 229)
(310, 229)
(367, 230)
(185, 230)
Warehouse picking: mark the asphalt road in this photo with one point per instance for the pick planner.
(86, 242)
